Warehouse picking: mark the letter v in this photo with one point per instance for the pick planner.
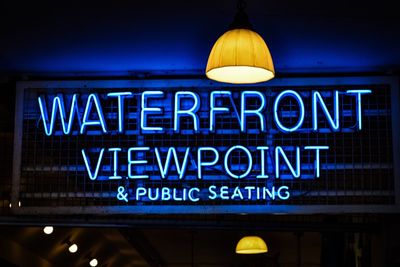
(92, 176)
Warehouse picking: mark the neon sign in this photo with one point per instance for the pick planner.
(92, 106)
(192, 114)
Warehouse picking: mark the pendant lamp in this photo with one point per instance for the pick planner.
(240, 55)
(251, 245)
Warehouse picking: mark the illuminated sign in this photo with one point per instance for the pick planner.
(182, 145)
(67, 118)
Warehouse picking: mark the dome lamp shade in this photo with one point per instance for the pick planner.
(240, 55)
(251, 245)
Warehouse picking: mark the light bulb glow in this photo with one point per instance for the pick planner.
(48, 230)
(73, 248)
(240, 74)
(93, 262)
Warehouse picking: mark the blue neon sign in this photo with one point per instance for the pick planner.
(189, 114)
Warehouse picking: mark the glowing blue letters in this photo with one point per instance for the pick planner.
(58, 104)
(181, 104)
(245, 112)
(178, 112)
(136, 162)
(214, 109)
(201, 163)
(92, 175)
(316, 161)
(279, 152)
(164, 169)
(86, 121)
(212, 192)
(263, 161)
(358, 103)
(299, 101)
(84, 115)
(206, 157)
(248, 193)
(115, 151)
(192, 197)
(149, 110)
(249, 165)
(317, 98)
(167, 194)
(120, 97)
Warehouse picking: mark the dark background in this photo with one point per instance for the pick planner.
(150, 39)
(127, 37)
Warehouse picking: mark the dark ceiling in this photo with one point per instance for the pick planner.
(29, 246)
(121, 37)
(125, 247)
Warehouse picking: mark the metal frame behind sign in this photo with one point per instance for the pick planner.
(392, 82)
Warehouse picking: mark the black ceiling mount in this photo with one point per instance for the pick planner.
(241, 20)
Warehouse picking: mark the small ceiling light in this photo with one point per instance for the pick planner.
(240, 55)
(73, 248)
(251, 245)
(93, 262)
(48, 230)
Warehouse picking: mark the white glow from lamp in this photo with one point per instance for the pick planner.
(240, 74)
(73, 248)
(93, 262)
(10, 205)
(48, 230)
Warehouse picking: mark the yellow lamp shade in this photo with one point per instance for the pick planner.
(240, 56)
(251, 245)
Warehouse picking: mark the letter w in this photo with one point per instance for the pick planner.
(58, 104)
(180, 169)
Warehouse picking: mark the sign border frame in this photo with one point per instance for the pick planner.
(392, 81)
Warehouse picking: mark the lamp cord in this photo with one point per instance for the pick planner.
(241, 5)
(241, 21)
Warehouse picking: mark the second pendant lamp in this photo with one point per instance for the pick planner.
(240, 55)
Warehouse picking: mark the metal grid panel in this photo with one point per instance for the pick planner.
(357, 170)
